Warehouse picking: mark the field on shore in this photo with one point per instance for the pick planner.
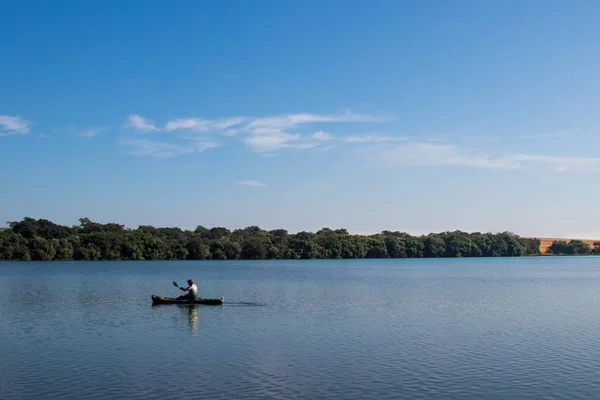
(547, 242)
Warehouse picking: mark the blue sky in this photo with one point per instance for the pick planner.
(418, 116)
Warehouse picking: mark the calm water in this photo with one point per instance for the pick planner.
(365, 329)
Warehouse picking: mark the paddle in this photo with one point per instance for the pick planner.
(176, 285)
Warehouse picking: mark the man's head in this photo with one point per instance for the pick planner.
(191, 282)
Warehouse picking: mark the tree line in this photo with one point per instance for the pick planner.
(573, 247)
(40, 239)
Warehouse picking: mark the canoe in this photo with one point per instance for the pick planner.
(171, 300)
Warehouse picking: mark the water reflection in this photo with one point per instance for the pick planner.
(375, 329)
(189, 311)
(192, 316)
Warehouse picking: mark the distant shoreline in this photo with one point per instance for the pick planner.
(546, 242)
(42, 240)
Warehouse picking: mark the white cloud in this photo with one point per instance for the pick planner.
(549, 135)
(277, 140)
(567, 160)
(140, 123)
(229, 132)
(153, 148)
(225, 123)
(252, 183)
(564, 163)
(270, 134)
(431, 154)
(187, 123)
(89, 133)
(326, 148)
(266, 142)
(261, 134)
(13, 125)
(221, 125)
(373, 139)
(320, 135)
(293, 120)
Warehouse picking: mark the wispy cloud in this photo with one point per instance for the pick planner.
(373, 139)
(13, 125)
(221, 125)
(320, 135)
(262, 134)
(563, 163)
(274, 141)
(205, 125)
(293, 120)
(140, 123)
(561, 168)
(270, 134)
(326, 148)
(158, 149)
(431, 154)
(550, 135)
(90, 133)
(252, 183)
(187, 123)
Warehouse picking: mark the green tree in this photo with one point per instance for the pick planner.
(41, 239)
(41, 249)
(376, 247)
(579, 247)
(13, 247)
(198, 249)
(395, 246)
(558, 247)
(433, 246)
(64, 249)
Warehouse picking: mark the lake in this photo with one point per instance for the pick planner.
(496, 328)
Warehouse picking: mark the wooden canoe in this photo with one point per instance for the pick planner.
(171, 300)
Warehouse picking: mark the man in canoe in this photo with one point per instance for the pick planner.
(192, 291)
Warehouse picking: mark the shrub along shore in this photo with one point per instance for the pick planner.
(40, 239)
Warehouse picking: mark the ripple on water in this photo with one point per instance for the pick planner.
(396, 330)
